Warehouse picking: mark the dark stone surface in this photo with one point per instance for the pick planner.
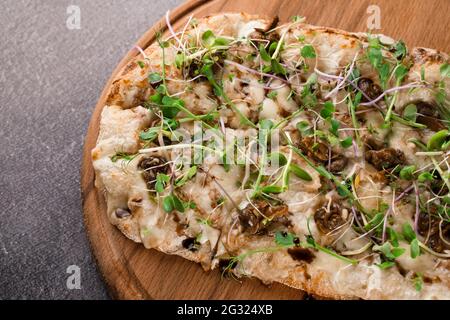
(50, 79)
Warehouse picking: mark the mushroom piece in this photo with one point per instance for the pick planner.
(338, 163)
(435, 241)
(226, 266)
(263, 34)
(301, 254)
(252, 216)
(373, 143)
(150, 167)
(320, 152)
(193, 70)
(438, 186)
(122, 213)
(190, 244)
(370, 89)
(428, 227)
(386, 158)
(314, 149)
(328, 220)
(428, 114)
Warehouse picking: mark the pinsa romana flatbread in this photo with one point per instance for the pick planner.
(304, 155)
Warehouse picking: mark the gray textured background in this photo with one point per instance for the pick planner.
(50, 79)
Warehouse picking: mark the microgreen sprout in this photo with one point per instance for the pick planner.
(418, 281)
(171, 203)
(122, 156)
(265, 127)
(208, 73)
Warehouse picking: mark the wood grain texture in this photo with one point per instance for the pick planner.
(133, 272)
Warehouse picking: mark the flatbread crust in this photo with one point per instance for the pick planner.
(124, 117)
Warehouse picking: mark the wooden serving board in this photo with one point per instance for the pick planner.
(133, 272)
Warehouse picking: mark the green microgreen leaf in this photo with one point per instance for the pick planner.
(272, 189)
(445, 70)
(375, 221)
(446, 200)
(186, 176)
(180, 58)
(410, 112)
(385, 265)
(299, 172)
(178, 204)
(418, 281)
(393, 237)
(168, 204)
(438, 140)
(272, 47)
(150, 134)
(161, 181)
(327, 110)
(208, 37)
(355, 74)
(190, 205)
(418, 143)
(171, 106)
(305, 128)
(172, 202)
(272, 94)
(376, 59)
(388, 251)
(266, 124)
(400, 50)
(424, 177)
(343, 191)
(357, 100)
(347, 142)
(123, 156)
(323, 172)
(264, 55)
(397, 252)
(141, 64)
(335, 124)
(374, 52)
(408, 232)
(162, 89)
(441, 96)
(309, 98)
(308, 51)
(277, 68)
(284, 239)
(422, 73)
(407, 172)
(219, 41)
(156, 98)
(400, 72)
(154, 77)
(311, 243)
(278, 158)
(414, 248)
(384, 70)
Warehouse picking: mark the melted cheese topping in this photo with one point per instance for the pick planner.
(212, 226)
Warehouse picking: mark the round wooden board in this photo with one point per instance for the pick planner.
(133, 272)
